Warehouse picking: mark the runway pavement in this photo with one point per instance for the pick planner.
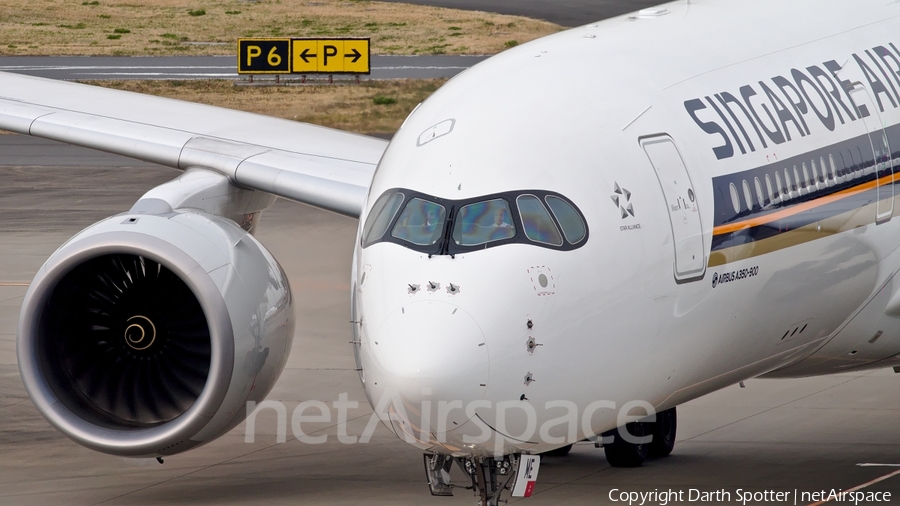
(782, 435)
(212, 67)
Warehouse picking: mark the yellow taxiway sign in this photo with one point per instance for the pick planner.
(304, 56)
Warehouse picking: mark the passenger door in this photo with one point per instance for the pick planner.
(681, 204)
(867, 110)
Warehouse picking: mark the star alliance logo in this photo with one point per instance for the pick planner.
(622, 199)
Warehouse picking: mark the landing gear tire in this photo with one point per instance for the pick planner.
(562, 451)
(664, 433)
(623, 453)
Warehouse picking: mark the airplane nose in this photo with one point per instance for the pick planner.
(431, 351)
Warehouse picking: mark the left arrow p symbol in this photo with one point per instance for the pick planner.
(305, 55)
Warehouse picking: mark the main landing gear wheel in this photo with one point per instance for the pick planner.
(624, 451)
(631, 450)
(664, 433)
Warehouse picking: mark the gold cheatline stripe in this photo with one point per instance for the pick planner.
(14, 284)
(762, 220)
(836, 224)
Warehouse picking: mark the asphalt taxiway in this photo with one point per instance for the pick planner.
(780, 435)
(213, 67)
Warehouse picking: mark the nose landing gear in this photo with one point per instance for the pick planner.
(489, 476)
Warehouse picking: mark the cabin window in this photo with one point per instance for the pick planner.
(790, 186)
(759, 193)
(747, 196)
(860, 165)
(845, 166)
(735, 198)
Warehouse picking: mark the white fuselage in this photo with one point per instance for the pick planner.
(621, 319)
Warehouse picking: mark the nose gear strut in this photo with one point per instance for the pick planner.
(489, 476)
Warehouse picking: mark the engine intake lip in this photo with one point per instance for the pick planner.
(124, 441)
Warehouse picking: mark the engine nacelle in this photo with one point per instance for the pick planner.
(147, 334)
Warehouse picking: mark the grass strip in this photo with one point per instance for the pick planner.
(212, 27)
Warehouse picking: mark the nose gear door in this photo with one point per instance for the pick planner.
(681, 204)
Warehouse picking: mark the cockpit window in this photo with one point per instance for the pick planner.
(483, 222)
(439, 226)
(567, 217)
(538, 224)
(383, 213)
(421, 222)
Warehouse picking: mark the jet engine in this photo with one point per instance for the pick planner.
(147, 334)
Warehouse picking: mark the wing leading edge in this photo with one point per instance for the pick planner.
(315, 165)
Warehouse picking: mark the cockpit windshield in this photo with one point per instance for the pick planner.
(539, 226)
(421, 222)
(441, 226)
(483, 222)
(383, 213)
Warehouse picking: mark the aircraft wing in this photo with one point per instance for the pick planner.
(315, 165)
